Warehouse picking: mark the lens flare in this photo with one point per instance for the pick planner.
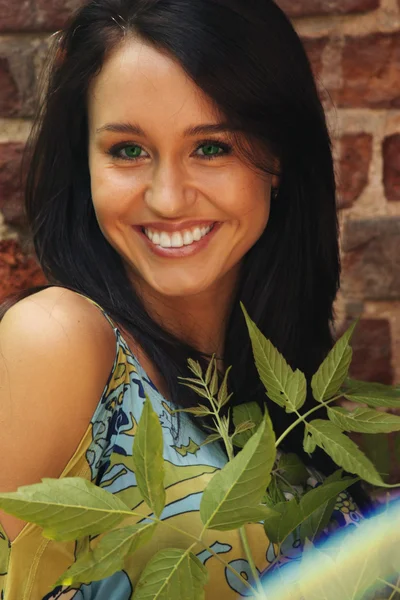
(353, 564)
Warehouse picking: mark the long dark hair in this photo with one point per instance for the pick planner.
(246, 56)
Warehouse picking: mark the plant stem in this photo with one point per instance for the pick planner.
(302, 419)
(253, 568)
(276, 559)
(242, 531)
(193, 537)
(294, 491)
(229, 567)
(211, 551)
(392, 595)
(394, 587)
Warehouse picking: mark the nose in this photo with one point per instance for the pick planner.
(168, 194)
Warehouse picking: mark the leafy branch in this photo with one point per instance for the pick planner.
(252, 487)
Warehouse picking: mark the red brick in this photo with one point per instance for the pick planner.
(19, 58)
(16, 16)
(10, 99)
(17, 270)
(372, 354)
(354, 162)
(371, 259)
(307, 8)
(371, 72)
(10, 182)
(51, 15)
(391, 167)
(35, 15)
(315, 48)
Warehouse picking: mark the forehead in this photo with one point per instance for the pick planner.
(138, 82)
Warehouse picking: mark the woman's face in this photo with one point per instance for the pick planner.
(171, 195)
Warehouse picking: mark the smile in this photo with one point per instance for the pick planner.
(177, 239)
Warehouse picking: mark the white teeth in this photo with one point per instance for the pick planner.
(177, 239)
(197, 234)
(187, 238)
(165, 240)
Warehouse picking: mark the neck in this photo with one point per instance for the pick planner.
(199, 320)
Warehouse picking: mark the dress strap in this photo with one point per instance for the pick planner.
(113, 325)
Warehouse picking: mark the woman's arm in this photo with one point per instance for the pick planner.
(56, 353)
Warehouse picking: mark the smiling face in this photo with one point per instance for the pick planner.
(171, 194)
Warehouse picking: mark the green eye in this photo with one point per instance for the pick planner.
(132, 151)
(210, 149)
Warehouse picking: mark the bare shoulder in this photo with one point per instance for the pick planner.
(55, 308)
(56, 334)
(56, 354)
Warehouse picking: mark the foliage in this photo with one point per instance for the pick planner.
(252, 487)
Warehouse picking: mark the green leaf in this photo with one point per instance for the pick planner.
(291, 514)
(239, 487)
(191, 380)
(285, 520)
(211, 367)
(293, 469)
(214, 382)
(172, 574)
(317, 522)
(67, 509)
(109, 555)
(359, 571)
(286, 388)
(199, 391)
(214, 437)
(243, 427)
(244, 413)
(320, 518)
(82, 546)
(4, 554)
(328, 587)
(333, 371)
(372, 394)
(376, 447)
(309, 443)
(343, 450)
(197, 411)
(149, 461)
(274, 494)
(364, 420)
(396, 444)
(195, 367)
(223, 396)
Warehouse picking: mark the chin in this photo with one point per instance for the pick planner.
(179, 289)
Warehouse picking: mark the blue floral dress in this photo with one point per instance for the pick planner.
(31, 564)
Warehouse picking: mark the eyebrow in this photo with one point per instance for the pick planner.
(190, 131)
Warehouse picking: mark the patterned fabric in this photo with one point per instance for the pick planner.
(30, 565)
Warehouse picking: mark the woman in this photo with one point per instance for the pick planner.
(180, 164)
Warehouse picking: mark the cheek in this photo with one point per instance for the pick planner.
(254, 209)
(250, 202)
(112, 195)
(106, 208)
(112, 186)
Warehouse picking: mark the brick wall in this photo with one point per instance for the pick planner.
(354, 46)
